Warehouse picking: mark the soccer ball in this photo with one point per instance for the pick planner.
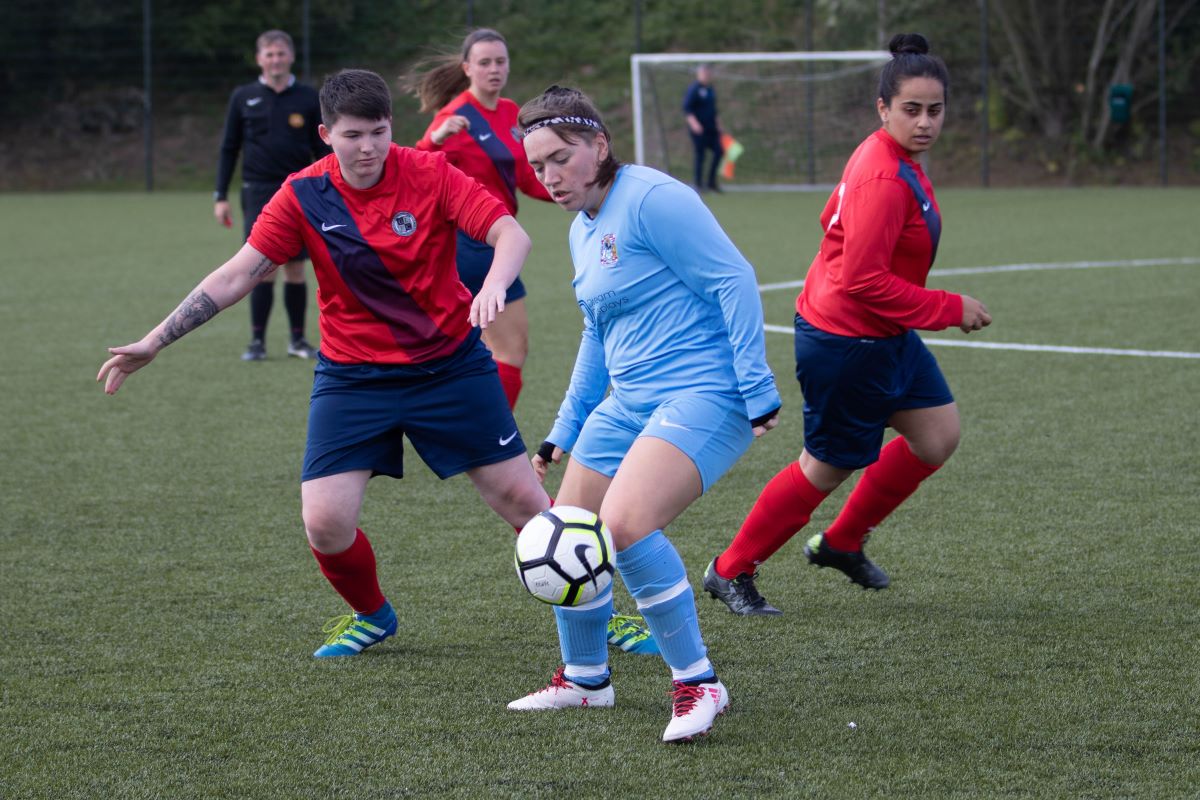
(565, 556)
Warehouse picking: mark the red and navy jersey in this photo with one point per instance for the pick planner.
(490, 151)
(882, 226)
(387, 284)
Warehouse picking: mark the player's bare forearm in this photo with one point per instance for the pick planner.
(193, 312)
(512, 245)
(223, 287)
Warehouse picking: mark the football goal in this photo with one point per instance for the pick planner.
(797, 116)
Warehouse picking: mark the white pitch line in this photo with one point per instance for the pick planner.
(1031, 267)
(1054, 348)
(1035, 348)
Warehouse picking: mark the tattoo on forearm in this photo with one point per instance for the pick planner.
(260, 269)
(193, 312)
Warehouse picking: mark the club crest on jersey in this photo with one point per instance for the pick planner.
(608, 249)
(296, 120)
(404, 224)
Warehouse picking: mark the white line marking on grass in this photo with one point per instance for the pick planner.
(1054, 348)
(1050, 265)
(1031, 267)
(1035, 348)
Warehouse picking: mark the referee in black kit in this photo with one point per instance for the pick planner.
(275, 121)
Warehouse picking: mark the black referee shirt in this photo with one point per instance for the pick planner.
(277, 132)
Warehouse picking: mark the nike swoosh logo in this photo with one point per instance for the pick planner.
(924, 206)
(485, 137)
(670, 634)
(581, 551)
(253, 101)
(668, 424)
(506, 439)
(326, 228)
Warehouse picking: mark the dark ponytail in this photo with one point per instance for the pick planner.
(910, 59)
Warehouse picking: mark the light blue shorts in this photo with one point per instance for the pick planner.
(711, 429)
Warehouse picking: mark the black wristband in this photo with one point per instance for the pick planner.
(546, 451)
(765, 418)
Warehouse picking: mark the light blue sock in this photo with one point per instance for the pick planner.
(655, 576)
(583, 639)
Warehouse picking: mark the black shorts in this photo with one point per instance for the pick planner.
(255, 197)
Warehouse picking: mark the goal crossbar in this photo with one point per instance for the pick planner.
(638, 60)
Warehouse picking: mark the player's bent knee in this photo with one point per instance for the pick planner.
(625, 528)
(328, 533)
(937, 450)
(516, 500)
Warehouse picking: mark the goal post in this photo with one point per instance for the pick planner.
(798, 115)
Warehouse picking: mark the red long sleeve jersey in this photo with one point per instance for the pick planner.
(490, 151)
(387, 284)
(882, 227)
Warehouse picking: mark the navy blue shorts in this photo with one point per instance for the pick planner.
(255, 197)
(852, 385)
(474, 259)
(453, 411)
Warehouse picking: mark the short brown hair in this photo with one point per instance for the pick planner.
(272, 36)
(563, 101)
(355, 93)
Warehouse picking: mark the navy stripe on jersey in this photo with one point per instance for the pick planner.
(489, 142)
(361, 267)
(933, 220)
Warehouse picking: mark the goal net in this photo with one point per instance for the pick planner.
(797, 116)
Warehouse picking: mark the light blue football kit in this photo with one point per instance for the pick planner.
(673, 324)
(671, 312)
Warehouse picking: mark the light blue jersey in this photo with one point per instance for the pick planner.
(669, 305)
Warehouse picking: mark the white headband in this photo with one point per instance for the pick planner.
(591, 123)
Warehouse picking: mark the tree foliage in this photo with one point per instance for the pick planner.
(1051, 61)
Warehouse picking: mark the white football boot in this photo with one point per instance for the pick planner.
(694, 709)
(562, 693)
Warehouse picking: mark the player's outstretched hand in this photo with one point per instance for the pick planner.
(124, 362)
(487, 305)
(548, 453)
(975, 315)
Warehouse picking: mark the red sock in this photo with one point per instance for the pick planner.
(510, 379)
(783, 507)
(885, 485)
(352, 573)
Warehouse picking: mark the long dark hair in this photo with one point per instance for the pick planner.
(438, 79)
(562, 101)
(910, 59)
